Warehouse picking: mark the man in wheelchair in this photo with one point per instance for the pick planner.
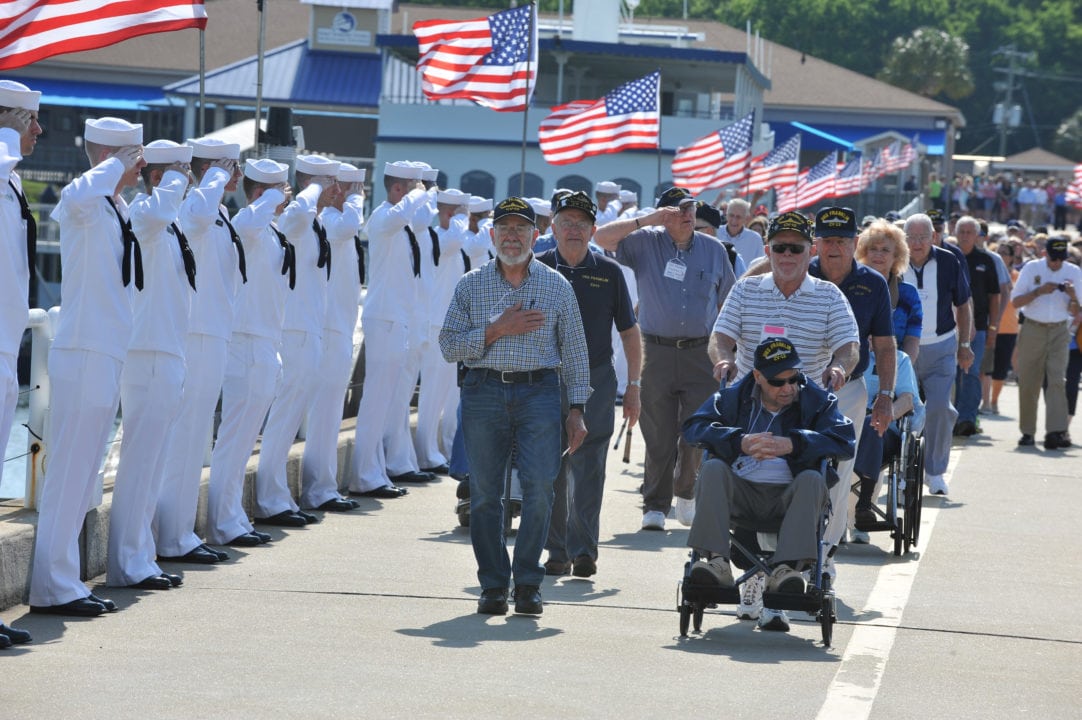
(766, 438)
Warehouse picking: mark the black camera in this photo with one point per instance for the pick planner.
(1062, 287)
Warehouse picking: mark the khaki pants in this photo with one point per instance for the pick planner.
(1042, 357)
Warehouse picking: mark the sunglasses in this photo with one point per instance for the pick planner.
(795, 380)
(791, 248)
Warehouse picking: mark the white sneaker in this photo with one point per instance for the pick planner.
(715, 571)
(775, 620)
(653, 520)
(785, 579)
(859, 537)
(751, 597)
(937, 485)
(685, 511)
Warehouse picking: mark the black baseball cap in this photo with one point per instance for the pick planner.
(675, 197)
(775, 355)
(936, 216)
(836, 222)
(514, 206)
(790, 222)
(575, 201)
(1057, 248)
(708, 214)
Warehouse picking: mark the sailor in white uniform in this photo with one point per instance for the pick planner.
(302, 338)
(438, 399)
(609, 206)
(152, 380)
(253, 368)
(218, 254)
(395, 257)
(319, 469)
(102, 267)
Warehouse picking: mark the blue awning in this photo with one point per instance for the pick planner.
(112, 96)
(825, 138)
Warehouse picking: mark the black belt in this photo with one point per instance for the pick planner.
(510, 376)
(678, 343)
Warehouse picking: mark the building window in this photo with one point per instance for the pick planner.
(478, 182)
(576, 183)
(533, 187)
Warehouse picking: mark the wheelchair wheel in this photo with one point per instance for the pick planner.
(914, 496)
(826, 611)
(685, 618)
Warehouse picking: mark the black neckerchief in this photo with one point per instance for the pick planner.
(435, 246)
(289, 261)
(360, 256)
(131, 249)
(31, 239)
(465, 260)
(237, 244)
(186, 254)
(324, 246)
(416, 250)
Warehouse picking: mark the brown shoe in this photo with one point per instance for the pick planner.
(557, 567)
(584, 566)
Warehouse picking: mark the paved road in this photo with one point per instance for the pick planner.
(372, 614)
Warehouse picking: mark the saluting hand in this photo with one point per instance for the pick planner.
(131, 156)
(18, 119)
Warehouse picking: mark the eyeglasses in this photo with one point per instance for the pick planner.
(512, 229)
(791, 248)
(782, 382)
(581, 225)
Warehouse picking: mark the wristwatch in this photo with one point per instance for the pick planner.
(888, 393)
(577, 406)
(965, 345)
(634, 383)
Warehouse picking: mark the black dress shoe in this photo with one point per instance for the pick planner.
(154, 582)
(412, 477)
(438, 470)
(245, 540)
(16, 636)
(528, 600)
(222, 555)
(262, 537)
(5, 642)
(309, 518)
(198, 556)
(174, 580)
(339, 505)
(386, 492)
(493, 602)
(1056, 440)
(286, 518)
(109, 605)
(1025, 441)
(462, 492)
(83, 607)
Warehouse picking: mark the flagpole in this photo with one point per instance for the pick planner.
(658, 101)
(202, 80)
(526, 109)
(259, 71)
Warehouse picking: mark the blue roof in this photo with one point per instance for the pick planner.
(296, 75)
(833, 137)
(109, 96)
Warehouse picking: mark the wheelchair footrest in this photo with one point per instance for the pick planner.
(710, 594)
(877, 526)
(808, 602)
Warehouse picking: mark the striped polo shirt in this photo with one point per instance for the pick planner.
(816, 318)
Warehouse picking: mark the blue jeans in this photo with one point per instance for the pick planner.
(497, 416)
(968, 384)
(458, 465)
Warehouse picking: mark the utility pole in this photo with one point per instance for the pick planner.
(1005, 115)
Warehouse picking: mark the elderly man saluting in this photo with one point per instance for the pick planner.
(515, 324)
(766, 437)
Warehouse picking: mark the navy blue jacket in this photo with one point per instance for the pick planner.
(813, 423)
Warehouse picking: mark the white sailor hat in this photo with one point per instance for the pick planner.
(607, 186)
(452, 197)
(317, 165)
(214, 149)
(627, 196)
(16, 95)
(166, 152)
(266, 171)
(113, 132)
(479, 204)
(351, 173)
(540, 206)
(402, 169)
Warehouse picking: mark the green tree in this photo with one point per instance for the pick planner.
(929, 62)
(1068, 139)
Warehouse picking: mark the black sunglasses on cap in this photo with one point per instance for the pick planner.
(791, 248)
(797, 379)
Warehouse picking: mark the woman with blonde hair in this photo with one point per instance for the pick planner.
(882, 247)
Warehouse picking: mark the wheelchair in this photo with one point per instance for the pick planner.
(903, 480)
(747, 540)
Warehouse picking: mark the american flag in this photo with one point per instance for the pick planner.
(627, 117)
(490, 60)
(871, 171)
(717, 160)
(1074, 190)
(31, 30)
(848, 181)
(817, 182)
(777, 168)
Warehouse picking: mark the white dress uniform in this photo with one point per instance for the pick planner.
(253, 368)
(85, 361)
(14, 278)
(613, 208)
(302, 340)
(206, 224)
(392, 293)
(152, 380)
(319, 469)
(438, 402)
